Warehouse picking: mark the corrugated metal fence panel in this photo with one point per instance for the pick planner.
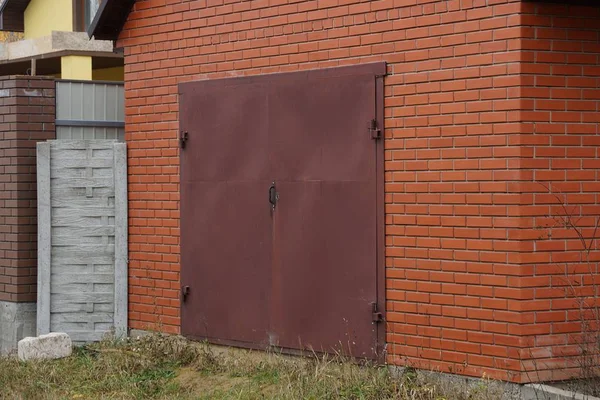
(84, 109)
(80, 248)
(90, 101)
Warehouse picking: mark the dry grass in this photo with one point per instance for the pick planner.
(166, 367)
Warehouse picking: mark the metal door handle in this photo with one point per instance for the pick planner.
(273, 195)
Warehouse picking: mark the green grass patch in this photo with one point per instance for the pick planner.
(169, 367)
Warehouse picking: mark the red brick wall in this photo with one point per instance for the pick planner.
(27, 112)
(560, 152)
(461, 109)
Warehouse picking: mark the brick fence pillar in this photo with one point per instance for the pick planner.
(27, 113)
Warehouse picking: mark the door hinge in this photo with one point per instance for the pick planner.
(374, 129)
(377, 316)
(182, 139)
(185, 291)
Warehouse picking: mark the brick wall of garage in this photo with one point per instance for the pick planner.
(482, 99)
(560, 138)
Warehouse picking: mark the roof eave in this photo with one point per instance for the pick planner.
(109, 19)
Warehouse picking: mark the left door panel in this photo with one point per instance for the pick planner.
(225, 205)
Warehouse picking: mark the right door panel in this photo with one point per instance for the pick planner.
(325, 247)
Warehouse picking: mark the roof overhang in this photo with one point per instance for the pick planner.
(12, 15)
(109, 19)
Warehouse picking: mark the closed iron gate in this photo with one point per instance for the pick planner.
(282, 210)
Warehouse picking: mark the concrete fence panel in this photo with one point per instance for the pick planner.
(82, 238)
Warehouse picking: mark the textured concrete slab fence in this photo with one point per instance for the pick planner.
(82, 238)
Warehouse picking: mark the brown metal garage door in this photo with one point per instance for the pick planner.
(281, 210)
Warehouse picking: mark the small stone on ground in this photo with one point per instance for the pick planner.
(45, 347)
